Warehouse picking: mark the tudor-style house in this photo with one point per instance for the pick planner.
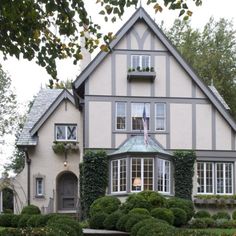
(142, 71)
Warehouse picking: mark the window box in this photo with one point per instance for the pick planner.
(215, 200)
(149, 75)
(65, 147)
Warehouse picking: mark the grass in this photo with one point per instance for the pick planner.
(1, 228)
(216, 231)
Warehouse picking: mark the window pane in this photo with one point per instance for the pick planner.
(39, 186)
(120, 115)
(148, 174)
(160, 116)
(145, 61)
(228, 178)
(163, 176)
(137, 115)
(114, 176)
(60, 132)
(200, 177)
(122, 175)
(209, 177)
(71, 132)
(167, 177)
(135, 61)
(136, 174)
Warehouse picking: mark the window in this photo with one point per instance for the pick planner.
(160, 116)
(142, 174)
(140, 61)
(137, 115)
(215, 178)
(118, 175)
(39, 181)
(163, 176)
(120, 115)
(66, 133)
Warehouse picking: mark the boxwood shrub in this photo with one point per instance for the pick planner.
(121, 222)
(22, 223)
(31, 210)
(5, 220)
(111, 220)
(107, 204)
(64, 228)
(221, 215)
(180, 216)
(134, 219)
(163, 214)
(32, 221)
(234, 215)
(202, 214)
(14, 221)
(198, 223)
(97, 220)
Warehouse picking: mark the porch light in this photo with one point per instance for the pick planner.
(65, 163)
(137, 182)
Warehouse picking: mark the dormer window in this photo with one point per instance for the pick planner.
(66, 132)
(140, 62)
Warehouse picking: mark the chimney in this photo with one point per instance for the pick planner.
(86, 54)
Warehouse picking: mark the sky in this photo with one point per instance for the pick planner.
(27, 77)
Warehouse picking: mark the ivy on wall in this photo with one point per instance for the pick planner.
(93, 178)
(184, 171)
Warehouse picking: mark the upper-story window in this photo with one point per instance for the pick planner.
(140, 61)
(66, 132)
(137, 110)
(120, 115)
(160, 116)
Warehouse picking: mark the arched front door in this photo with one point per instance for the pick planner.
(67, 191)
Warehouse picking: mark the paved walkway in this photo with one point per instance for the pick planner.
(101, 232)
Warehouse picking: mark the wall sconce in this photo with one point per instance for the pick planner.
(65, 163)
(137, 182)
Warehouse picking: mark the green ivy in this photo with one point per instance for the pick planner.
(94, 178)
(184, 171)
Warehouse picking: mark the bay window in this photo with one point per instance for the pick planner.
(163, 176)
(137, 115)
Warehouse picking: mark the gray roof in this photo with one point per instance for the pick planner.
(44, 104)
(219, 97)
(136, 144)
(141, 14)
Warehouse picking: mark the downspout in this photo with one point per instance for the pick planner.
(28, 162)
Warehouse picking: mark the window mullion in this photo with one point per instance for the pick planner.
(224, 179)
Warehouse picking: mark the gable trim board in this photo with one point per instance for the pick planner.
(64, 95)
(141, 14)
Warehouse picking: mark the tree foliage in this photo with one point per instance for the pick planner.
(211, 52)
(49, 30)
(8, 112)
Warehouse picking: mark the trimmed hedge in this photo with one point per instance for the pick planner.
(97, 220)
(180, 217)
(202, 214)
(5, 220)
(107, 204)
(221, 215)
(142, 211)
(22, 223)
(111, 220)
(31, 210)
(163, 214)
(134, 219)
(121, 222)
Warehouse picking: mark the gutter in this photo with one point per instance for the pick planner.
(28, 162)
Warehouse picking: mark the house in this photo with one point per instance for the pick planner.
(142, 74)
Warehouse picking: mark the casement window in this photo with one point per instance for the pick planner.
(160, 115)
(214, 178)
(118, 181)
(66, 132)
(120, 115)
(137, 115)
(163, 176)
(142, 173)
(39, 186)
(140, 62)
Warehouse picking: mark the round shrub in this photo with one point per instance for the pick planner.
(134, 219)
(31, 210)
(121, 222)
(155, 199)
(22, 223)
(97, 220)
(5, 220)
(107, 204)
(149, 221)
(163, 214)
(198, 223)
(221, 215)
(184, 204)
(142, 211)
(180, 216)
(157, 229)
(53, 217)
(42, 220)
(32, 221)
(111, 220)
(202, 214)
(14, 220)
(220, 223)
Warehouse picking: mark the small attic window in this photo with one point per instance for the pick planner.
(66, 132)
(140, 62)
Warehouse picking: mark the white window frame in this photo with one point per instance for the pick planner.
(66, 131)
(117, 116)
(142, 174)
(38, 194)
(131, 109)
(160, 117)
(118, 179)
(163, 175)
(140, 61)
(204, 178)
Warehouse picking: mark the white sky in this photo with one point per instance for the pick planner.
(28, 77)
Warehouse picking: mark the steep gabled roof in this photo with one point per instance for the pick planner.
(141, 14)
(45, 103)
